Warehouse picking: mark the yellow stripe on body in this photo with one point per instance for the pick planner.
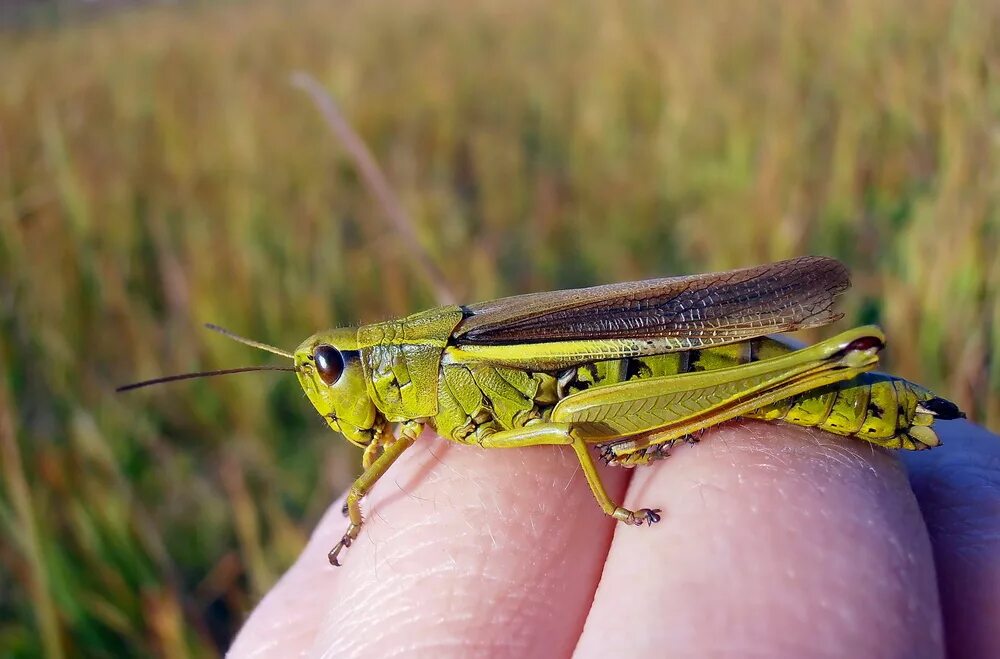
(557, 355)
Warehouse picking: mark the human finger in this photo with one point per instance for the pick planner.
(958, 489)
(775, 541)
(464, 552)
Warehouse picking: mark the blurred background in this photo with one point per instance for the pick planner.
(158, 170)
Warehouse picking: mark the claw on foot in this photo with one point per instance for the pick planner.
(647, 516)
(651, 515)
(344, 543)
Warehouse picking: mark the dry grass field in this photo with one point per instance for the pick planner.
(158, 170)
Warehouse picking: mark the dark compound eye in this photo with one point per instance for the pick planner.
(329, 363)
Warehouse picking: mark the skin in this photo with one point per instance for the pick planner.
(776, 541)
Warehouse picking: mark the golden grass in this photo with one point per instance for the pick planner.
(157, 170)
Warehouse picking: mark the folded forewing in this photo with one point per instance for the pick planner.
(691, 311)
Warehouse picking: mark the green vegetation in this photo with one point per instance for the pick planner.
(157, 170)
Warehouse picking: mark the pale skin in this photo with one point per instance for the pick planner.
(775, 541)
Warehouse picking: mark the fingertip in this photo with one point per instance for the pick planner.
(775, 541)
(463, 549)
(285, 622)
(958, 489)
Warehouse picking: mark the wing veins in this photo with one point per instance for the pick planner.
(733, 306)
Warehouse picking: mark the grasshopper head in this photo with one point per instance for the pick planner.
(328, 366)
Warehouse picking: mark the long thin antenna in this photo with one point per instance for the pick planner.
(249, 342)
(202, 374)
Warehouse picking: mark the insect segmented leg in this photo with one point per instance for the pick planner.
(649, 516)
(655, 410)
(364, 483)
(644, 450)
(635, 458)
(561, 434)
(643, 456)
(607, 454)
(371, 454)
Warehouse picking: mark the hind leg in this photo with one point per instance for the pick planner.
(645, 449)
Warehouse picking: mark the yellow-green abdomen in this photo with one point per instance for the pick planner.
(877, 408)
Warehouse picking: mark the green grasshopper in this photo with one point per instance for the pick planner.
(627, 369)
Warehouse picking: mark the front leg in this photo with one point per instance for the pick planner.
(372, 453)
(409, 433)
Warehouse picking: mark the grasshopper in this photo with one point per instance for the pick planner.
(622, 371)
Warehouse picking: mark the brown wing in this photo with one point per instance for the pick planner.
(716, 308)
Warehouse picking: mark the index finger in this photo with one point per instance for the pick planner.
(777, 541)
(463, 551)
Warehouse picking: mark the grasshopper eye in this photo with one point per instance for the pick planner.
(329, 363)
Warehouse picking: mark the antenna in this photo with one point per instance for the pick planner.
(201, 374)
(250, 342)
(225, 371)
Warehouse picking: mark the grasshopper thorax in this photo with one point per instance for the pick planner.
(328, 366)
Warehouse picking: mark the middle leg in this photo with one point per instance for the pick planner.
(561, 434)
